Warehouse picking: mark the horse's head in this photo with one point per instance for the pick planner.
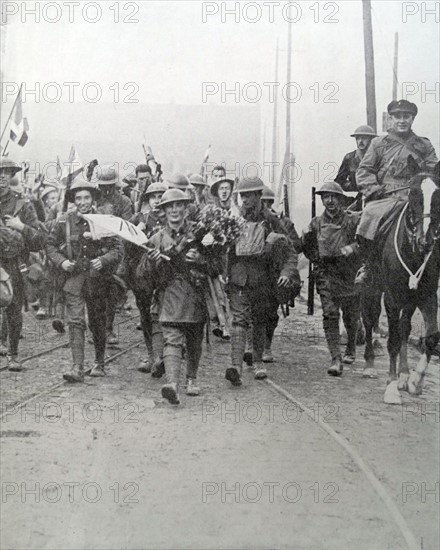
(416, 214)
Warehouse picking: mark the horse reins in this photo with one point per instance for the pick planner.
(414, 278)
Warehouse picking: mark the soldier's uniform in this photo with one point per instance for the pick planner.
(150, 222)
(383, 174)
(12, 205)
(84, 287)
(252, 284)
(346, 176)
(181, 285)
(110, 201)
(268, 198)
(322, 243)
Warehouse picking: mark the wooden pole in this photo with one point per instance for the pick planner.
(370, 85)
(275, 120)
(395, 66)
(287, 156)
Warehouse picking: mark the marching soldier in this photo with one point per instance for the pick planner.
(88, 266)
(252, 280)
(346, 176)
(181, 182)
(150, 223)
(268, 199)
(111, 201)
(383, 177)
(200, 187)
(20, 235)
(222, 189)
(329, 242)
(181, 284)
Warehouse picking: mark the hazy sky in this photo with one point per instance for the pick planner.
(171, 51)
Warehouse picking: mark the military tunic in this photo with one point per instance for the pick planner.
(383, 177)
(335, 274)
(34, 240)
(84, 287)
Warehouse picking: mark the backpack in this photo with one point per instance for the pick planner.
(251, 241)
(6, 293)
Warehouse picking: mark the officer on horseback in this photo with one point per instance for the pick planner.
(383, 177)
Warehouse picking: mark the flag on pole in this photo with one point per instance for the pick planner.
(105, 225)
(19, 127)
(204, 161)
(72, 168)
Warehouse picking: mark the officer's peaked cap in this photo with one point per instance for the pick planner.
(402, 106)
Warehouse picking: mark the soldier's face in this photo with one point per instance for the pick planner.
(51, 198)
(332, 202)
(401, 122)
(175, 212)
(5, 178)
(83, 201)
(363, 142)
(250, 199)
(154, 200)
(224, 191)
(217, 174)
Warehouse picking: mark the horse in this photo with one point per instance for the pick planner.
(409, 263)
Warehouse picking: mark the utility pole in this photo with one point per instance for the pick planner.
(369, 65)
(287, 164)
(275, 120)
(395, 66)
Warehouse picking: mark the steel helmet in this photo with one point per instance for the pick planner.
(8, 165)
(49, 189)
(216, 184)
(106, 174)
(196, 179)
(247, 185)
(179, 181)
(364, 131)
(331, 187)
(268, 194)
(81, 184)
(173, 195)
(156, 187)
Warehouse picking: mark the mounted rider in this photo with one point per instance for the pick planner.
(383, 177)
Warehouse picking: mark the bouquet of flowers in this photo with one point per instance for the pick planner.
(216, 226)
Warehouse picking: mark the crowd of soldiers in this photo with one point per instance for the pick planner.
(180, 284)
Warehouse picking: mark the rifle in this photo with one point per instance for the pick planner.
(311, 285)
(156, 168)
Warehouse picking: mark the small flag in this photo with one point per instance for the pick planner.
(105, 225)
(72, 168)
(19, 124)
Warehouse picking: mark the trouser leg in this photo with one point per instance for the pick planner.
(143, 302)
(259, 332)
(174, 341)
(330, 312)
(350, 315)
(75, 310)
(96, 310)
(194, 340)
(14, 314)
